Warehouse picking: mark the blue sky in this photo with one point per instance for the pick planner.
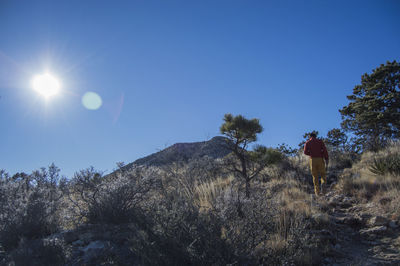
(167, 72)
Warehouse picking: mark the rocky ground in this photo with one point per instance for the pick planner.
(356, 235)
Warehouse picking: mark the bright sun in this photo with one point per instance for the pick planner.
(46, 84)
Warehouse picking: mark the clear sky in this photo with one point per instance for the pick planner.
(167, 72)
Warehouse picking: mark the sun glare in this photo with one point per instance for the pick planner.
(46, 85)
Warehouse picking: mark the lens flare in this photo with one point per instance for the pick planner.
(91, 100)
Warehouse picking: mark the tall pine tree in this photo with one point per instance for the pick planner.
(373, 113)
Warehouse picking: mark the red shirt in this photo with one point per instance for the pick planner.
(315, 148)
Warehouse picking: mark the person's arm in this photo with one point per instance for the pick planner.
(325, 151)
(325, 154)
(307, 148)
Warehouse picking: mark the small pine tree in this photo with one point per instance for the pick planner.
(241, 132)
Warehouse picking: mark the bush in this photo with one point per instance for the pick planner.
(38, 252)
(389, 164)
(182, 235)
(108, 200)
(341, 159)
(30, 206)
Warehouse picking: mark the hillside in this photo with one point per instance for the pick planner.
(184, 152)
(197, 214)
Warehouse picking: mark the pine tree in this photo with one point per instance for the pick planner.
(248, 164)
(373, 113)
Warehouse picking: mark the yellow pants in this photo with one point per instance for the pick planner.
(317, 166)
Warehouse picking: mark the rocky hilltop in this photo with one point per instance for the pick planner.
(184, 152)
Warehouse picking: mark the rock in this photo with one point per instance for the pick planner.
(78, 242)
(345, 205)
(94, 245)
(348, 200)
(70, 237)
(338, 246)
(377, 221)
(321, 218)
(354, 209)
(373, 230)
(393, 225)
(95, 249)
(352, 221)
(330, 194)
(369, 205)
(333, 202)
(375, 249)
(349, 220)
(365, 215)
(87, 237)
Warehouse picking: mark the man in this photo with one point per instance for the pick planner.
(315, 148)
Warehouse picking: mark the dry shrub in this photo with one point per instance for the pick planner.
(368, 158)
(38, 252)
(30, 206)
(294, 208)
(273, 249)
(206, 193)
(115, 200)
(277, 243)
(181, 234)
(291, 210)
(379, 185)
(389, 202)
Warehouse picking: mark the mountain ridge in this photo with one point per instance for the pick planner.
(183, 152)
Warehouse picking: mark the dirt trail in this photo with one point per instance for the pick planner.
(360, 238)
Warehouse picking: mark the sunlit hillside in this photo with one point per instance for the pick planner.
(195, 212)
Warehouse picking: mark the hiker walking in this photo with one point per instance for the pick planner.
(315, 148)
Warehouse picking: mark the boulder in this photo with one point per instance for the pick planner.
(345, 205)
(78, 242)
(95, 249)
(349, 220)
(373, 231)
(70, 236)
(393, 225)
(321, 219)
(377, 221)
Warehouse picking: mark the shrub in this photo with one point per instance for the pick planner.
(109, 200)
(38, 252)
(30, 206)
(389, 164)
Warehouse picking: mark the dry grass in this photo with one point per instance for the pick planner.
(206, 193)
(276, 245)
(367, 159)
(383, 190)
(300, 161)
(294, 207)
(293, 219)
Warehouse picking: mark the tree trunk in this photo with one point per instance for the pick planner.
(248, 188)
